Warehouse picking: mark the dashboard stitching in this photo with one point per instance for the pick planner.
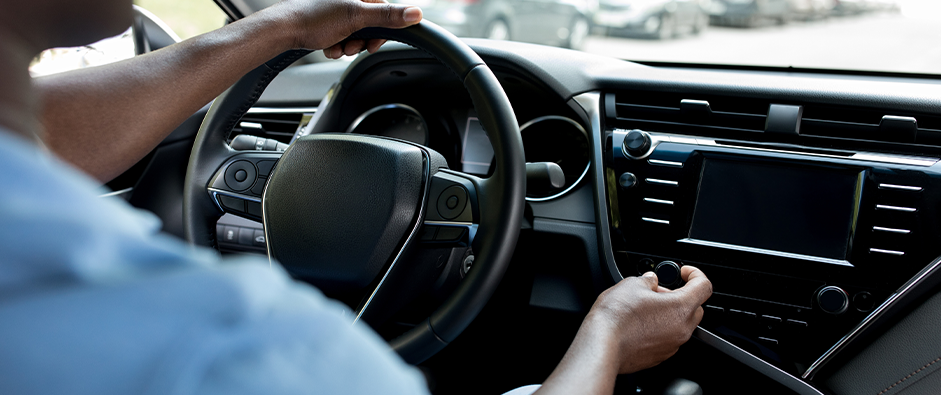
(909, 376)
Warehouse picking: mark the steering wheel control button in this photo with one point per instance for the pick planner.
(864, 302)
(428, 233)
(259, 187)
(253, 208)
(449, 233)
(240, 175)
(627, 180)
(636, 143)
(668, 273)
(231, 203)
(264, 167)
(832, 300)
(451, 202)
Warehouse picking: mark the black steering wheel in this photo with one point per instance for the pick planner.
(345, 212)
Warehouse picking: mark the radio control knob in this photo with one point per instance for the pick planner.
(636, 143)
(832, 299)
(668, 273)
(627, 180)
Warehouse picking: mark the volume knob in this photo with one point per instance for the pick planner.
(668, 273)
(636, 143)
(832, 299)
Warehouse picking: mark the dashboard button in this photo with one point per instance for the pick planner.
(428, 233)
(668, 273)
(253, 208)
(246, 236)
(449, 233)
(768, 341)
(258, 238)
(832, 300)
(743, 315)
(796, 323)
(231, 234)
(627, 180)
(636, 143)
(864, 301)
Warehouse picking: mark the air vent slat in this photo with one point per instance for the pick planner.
(277, 125)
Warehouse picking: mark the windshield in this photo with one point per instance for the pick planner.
(865, 35)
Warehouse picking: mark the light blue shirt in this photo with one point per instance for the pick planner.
(94, 300)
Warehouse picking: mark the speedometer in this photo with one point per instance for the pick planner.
(392, 120)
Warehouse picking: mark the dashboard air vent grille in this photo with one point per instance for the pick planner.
(870, 124)
(691, 114)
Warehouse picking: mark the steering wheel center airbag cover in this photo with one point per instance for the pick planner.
(337, 207)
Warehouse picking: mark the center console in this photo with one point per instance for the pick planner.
(800, 243)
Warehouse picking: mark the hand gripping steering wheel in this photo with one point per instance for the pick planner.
(344, 211)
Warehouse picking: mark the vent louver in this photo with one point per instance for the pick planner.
(870, 124)
(702, 115)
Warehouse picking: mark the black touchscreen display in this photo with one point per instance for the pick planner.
(798, 210)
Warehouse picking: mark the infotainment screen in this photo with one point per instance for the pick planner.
(807, 211)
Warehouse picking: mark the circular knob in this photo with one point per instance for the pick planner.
(636, 143)
(627, 180)
(668, 273)
(832, 299)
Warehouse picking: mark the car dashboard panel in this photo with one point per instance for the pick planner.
(806, 199)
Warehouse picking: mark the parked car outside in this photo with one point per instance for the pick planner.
(660, 19)
(749, 13)
(811, 9)
(562, 23)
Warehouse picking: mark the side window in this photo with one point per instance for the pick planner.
(185, 18)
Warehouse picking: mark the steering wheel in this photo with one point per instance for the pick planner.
(346, 212)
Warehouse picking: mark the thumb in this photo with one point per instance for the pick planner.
(650, 280)
(394, 16)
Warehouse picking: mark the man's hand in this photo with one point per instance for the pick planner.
(633, 325)
(324, 24)
(649, 322)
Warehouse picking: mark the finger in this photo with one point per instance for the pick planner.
(395, 16)
(354, 47)
(697, 315)
(334, 52)
(698, 288)
(373, 45)
(662, 289)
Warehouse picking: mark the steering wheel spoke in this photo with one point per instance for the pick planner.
(238, 185)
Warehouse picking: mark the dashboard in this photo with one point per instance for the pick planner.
(807, 199)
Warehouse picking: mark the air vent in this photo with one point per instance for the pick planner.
(870, 124)
(273, 123)
(702, 115)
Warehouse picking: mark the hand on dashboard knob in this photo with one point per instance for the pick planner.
(646, 323)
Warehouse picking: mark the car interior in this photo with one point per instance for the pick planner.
(804, 195)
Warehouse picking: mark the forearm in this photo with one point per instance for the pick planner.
(590, 366)
(104, 119)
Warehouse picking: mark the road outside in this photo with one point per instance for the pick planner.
(880, 42)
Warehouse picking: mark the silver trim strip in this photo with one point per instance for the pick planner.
(662, 182)
(887, 252)
(587, 166)
(658, 201)
(658, 162)
(895, 208)
(117, 193)
(657, 138)
(278, 110)
(654, 220)
(215, 192)
(870, 319)
(251, 125)
(447, 223)
(902, 187)
(773, 372)
(408, 241)
(891, 230)
(812, 258)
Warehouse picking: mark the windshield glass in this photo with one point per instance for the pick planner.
(865, 35)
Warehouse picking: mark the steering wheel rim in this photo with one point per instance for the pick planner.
(501, 197)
